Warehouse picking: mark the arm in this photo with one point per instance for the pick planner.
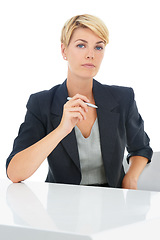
(27, 161)
(137, 164)
(139, 150)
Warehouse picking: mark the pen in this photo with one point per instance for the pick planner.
(89, 104)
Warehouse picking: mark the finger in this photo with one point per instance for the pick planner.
(82, 97)
(76, 116)
(78, 102)
(78, 110)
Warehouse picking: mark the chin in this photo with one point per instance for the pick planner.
(88, 75)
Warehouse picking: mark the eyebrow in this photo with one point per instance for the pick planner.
(87, 42)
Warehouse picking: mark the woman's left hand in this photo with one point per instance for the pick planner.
(137, 164)
(129, 182)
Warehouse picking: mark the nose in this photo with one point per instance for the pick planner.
(90, 54)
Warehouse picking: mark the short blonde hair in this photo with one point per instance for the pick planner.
(86, 21)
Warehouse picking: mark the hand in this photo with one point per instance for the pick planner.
(129, 182)
(73, 111)
(137, 164)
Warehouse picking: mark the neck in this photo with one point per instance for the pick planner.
(81, 86)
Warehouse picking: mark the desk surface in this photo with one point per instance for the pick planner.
(56, 211)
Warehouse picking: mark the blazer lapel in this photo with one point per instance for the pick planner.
(108, 122)
(69, 142)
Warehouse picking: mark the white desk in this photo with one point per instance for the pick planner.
(53, 211)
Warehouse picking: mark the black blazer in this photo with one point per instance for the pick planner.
(120, 126)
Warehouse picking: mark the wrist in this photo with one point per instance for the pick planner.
(132, 176)
(129, 182)
(62, 133)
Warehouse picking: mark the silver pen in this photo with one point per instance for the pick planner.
(89, 104)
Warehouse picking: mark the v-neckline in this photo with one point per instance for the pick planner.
(90, 131)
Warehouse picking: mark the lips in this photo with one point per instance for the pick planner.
(88, 65)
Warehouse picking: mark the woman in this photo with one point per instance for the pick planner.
(84, 145)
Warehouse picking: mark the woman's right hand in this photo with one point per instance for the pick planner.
(73, 111)
(27, 161)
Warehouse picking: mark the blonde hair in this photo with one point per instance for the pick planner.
(85, 21)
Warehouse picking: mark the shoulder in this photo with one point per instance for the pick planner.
(119, 93)
(45, 94)
(40, 103)
(42, 98)
(124, 96)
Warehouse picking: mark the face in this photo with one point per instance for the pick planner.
(84, 53)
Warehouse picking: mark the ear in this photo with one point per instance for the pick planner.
(63, 51)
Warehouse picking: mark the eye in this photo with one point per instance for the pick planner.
(99, 48)
(80, 45)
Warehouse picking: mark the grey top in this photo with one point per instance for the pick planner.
(90, 155)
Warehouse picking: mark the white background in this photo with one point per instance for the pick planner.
(30, 57)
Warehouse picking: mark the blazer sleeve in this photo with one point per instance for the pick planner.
(31, 130)
(138, 142)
